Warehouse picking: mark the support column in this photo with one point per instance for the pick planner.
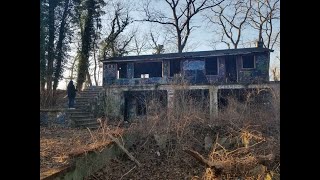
(130, 70)
(131, 106)
(170, 100)
(166, 68)
(213, 92)
(114, 103)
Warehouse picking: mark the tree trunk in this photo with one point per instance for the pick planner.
(95, 61)
(58, 69)
(95, 68)
(42, 50)
(50, 48)
(89, 78)
(85, 47)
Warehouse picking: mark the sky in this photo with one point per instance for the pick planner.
(200, 38)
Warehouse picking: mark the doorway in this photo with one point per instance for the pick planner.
(231, 69)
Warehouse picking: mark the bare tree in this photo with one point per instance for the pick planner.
(60, 57)
(264, 16)
(158, 48)
(113, 45)
(140, 42)
(231, 18)
(182, 14)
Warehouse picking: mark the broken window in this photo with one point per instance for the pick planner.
(153, 69)
(122, 70)
(144, 75)
(174, 67)
(211, 65)
(248, 62)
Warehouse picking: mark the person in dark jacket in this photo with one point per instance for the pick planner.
(71, 94)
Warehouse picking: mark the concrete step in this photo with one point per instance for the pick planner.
(81, 105)
(93, 91)
(89, 125)
(88, 95)
(79, 117)
(79, 112)
(82, 102)
(88, 120)
(83, 98)
(83, 114)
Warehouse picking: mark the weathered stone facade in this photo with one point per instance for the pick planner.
(193, 67)
(208, 70)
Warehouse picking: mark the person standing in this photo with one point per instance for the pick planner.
(71, 90)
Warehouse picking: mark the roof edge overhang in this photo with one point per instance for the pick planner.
(198, 54)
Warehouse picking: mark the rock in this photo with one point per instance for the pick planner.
(161, 140)
(208, 142)
(259, 170)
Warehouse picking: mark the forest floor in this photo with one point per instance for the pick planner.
(171, 161)
(57, 144)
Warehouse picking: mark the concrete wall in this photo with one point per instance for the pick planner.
(118, 101)
(259, 74)
(220, 78)
(52, 117)
(114, 103)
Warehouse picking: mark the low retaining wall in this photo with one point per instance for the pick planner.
(50, 117)
(83, 164)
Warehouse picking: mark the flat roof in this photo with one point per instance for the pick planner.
(188, 54)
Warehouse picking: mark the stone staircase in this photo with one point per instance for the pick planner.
(82, 115)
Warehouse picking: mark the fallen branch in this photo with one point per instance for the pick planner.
(204, 161)
(264, 159)
(124, 150)
(127, 172)
(215, 166)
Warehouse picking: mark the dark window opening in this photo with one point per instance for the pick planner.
(122, 70)
(141, 107)
(154, 69)
(248, 62)
(174, 67)
(231, 69)
(211, 65)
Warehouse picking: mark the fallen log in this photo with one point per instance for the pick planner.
(227, 164)
(124, 150)
(217, 167)
(204, 161)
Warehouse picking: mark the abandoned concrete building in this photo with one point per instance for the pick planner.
(131, 81)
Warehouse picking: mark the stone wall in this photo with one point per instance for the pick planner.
(54, 117)
(259, 74)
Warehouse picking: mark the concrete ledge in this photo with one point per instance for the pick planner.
(83, 163)
(177, 87)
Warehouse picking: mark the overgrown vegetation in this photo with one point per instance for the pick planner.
(242, 142)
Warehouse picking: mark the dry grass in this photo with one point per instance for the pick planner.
(244, 138)
(59, 145)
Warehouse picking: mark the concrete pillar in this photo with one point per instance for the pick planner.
(132, 108)
(170, 99)
(130, 70)
(165, 68)
(115, 102)
(213, 93)
(202, 98)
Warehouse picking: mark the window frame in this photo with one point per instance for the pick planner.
(254, 62)
(217, 59)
